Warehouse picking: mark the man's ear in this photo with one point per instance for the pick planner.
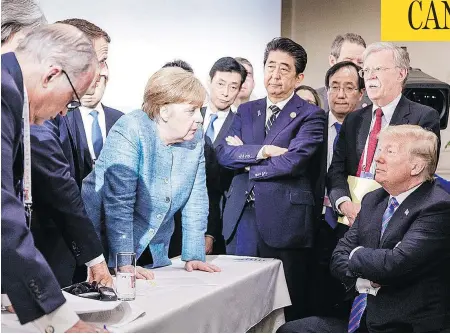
(418, 167)
(49, 77)
(299, 79)
(332, 60)
(164, 113)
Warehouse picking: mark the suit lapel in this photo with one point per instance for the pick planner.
(224, 129)
(363, 131)
(404, 210)
(285, 117)
(84, 148)
(259, 121)
(401, 112)
(376, 221)
(109, 121)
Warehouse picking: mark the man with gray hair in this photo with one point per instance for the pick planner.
(347, 47)
(385, 70)
(394, 259)
(49, 70)
(18, 18)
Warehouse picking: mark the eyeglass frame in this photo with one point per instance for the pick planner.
(347, 90)
(72, 104)
(375, 70)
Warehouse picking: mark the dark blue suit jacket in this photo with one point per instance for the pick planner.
(283, 185)
(410, 261)
(26, 276)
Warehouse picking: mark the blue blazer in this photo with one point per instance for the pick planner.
(137, 186)
(283, 186)
(26, 276)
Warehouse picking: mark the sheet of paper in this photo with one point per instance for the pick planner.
(359, 187)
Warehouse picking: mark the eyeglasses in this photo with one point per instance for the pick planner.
(366, 72)
(72, 104)
(347, 89)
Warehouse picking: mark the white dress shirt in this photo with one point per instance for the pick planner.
(388, 112)
(218, 123)
(87, 122)
(363, 285)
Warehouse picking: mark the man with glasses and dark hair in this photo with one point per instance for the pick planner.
(347, 47)
(34, 89)
(385, 70)
(345, 89)
(72, 143)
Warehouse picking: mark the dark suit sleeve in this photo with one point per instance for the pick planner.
(26, 276)
(235, 157)
(339, 259)
(300, 151)
(427, 240)
(54, 187)
(337, 185)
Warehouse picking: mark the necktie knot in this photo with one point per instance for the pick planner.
(393, 203)
(213, 118)
(275, 110)
(337, 125)
(94, 113)
(210, 130)
(379, 113)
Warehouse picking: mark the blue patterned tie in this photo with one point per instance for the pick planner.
(210, 129)
(97, 138)
(338, 129)
(360, 302)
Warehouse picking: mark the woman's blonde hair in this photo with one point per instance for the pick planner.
(172, 85)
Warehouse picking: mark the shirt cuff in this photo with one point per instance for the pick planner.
(363, 286)
(260, 156)
(5, 301)
(95, 261)
(58, 321)
(341, 200)
(353, 251)
(209, 235)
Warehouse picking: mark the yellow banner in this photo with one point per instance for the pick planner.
(415, 20)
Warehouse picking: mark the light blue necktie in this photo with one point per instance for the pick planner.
(97, 138)
(210, 129)
(360, 302)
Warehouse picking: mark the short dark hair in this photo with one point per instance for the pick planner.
(336, 67)
(228, 64)
(313, 92)
(290, 47)
(91, 30)
(179, 63)
(348, 37)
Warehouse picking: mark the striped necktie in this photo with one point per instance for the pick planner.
(272, 118)
(360, 302)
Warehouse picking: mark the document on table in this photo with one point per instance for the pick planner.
(359, 187)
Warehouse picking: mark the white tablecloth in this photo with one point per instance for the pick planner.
(248, 294)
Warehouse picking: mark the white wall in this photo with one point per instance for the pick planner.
(148, 33)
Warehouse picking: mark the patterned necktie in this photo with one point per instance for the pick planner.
(393, 204)
(338, 129)
(210, 130)
(97, 138)
(372, 144)
(272, 118)
(360, 302)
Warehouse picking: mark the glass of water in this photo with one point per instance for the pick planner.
(126, 275)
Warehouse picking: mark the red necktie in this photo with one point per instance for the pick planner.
(372, 145)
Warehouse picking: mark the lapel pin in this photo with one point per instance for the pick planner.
(259, 112)
(293, 114)
(407, 212)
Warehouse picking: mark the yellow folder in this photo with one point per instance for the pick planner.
(358, 188)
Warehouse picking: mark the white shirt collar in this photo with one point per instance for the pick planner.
(401, 197)
(388, 109)
(280, 104)
(332, 119)
(85, 110)
(220, 114)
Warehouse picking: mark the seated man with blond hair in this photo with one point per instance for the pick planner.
(395, 257)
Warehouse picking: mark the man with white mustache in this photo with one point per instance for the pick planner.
(385, 71)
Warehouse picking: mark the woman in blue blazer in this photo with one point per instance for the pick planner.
(151, 166)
